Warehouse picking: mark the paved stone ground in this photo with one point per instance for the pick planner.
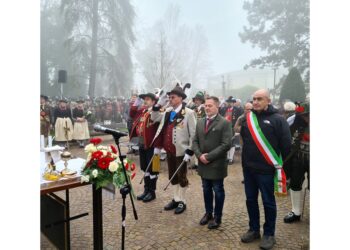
(159, 229)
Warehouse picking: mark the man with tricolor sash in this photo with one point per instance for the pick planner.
(266, 142)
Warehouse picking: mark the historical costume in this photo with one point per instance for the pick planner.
(176, 130)
(63, 122)
(298, 162)
(81, 128)
(145, 129)
(44, 116)
(229, 114)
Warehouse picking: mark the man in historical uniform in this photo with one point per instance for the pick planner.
(63, 122)
(228, 113)
(81, 128)
(198, 108)
(44, 116)
(298, 162)
(176, 130)
(144, 129)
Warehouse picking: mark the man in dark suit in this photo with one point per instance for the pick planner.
(211, 142)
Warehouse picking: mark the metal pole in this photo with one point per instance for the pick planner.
(97, 217)
(274, 84)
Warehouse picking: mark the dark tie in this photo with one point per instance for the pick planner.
(209, 121)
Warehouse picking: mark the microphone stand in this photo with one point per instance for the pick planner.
(124, 191)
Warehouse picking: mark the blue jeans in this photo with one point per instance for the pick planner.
(252, 184)
(218, 187)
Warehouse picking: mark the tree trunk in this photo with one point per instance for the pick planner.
(92, 78)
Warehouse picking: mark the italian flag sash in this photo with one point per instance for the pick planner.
(269, 154)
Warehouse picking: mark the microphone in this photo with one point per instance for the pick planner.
(110, 131)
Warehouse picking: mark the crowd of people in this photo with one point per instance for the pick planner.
(204, 133)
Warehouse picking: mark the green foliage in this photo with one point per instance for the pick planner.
(66, 43)
(293, 87)
(55, 55)
(281, 28)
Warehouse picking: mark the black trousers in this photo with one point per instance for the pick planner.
(296, 169)
(145, 158)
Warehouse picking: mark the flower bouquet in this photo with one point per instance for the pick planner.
(103, 166)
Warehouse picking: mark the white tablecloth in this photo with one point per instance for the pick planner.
(76, 164)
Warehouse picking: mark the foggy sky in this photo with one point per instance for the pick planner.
(222, 20)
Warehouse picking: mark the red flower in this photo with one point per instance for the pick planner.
(127, 166)
(114, 150)
(103, 163)
(300, 109)
(133, 166)
(96, 155)
(133, 175)
(96, 140)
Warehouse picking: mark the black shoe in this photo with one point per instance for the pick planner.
(180, 208)
(206, 218)
(149, 197)
(291, 217)
(267, 242)
(143, 195)
(250, 236)
(214, 224)
(171, 205)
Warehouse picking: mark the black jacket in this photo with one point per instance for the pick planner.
(276, 131)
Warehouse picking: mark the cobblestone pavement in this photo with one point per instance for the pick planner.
(159, 229)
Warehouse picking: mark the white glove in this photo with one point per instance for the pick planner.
(187, 158)
(137, 102)
(163, 100)
(156, 151)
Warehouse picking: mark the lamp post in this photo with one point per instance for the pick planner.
(274, 84)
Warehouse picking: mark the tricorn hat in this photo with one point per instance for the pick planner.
(180, 91)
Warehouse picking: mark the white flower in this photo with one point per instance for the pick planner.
(85, 178)
(94, 173)
(90, 148)
(104, 152)
(88, 157)
(113, 166)
(101, 147)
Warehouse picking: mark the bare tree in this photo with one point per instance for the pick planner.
(173, 52)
